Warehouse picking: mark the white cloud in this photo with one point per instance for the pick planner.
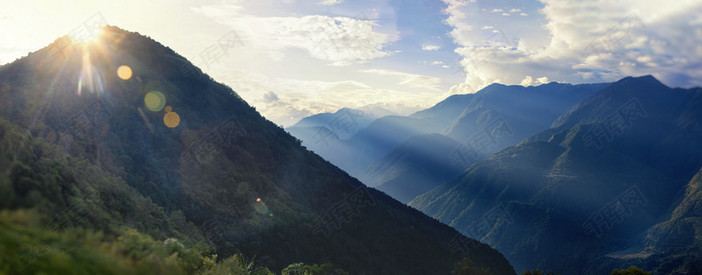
(629, 38)
(529, 81)
(505, 14)
(437, 63)
(286, 101)
(270, 97)
(462, 32)
(410, 80)
(523, 14)
(497, 10)
(331, 2)
(338, 40)
(586, 42)
(430, 47)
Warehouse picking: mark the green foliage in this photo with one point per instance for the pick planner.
(536, 272)
(28, 249)
(303, 269)
(465, 266)
(632, 270)
(233, 265)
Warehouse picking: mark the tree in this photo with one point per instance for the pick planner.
(632, 270)
(536, 272)
(465, 267)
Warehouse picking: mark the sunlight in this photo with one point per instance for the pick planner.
(89, 76)
(86, 74)
(86, 36)
(97, 33)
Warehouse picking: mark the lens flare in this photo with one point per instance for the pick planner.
(154, 101)
(124, 72)
(261, 207)
(90, 77)
(171, 119)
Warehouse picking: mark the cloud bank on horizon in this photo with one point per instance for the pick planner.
(295, 58)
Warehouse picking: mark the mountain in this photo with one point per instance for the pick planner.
(344, 123)
(481, 124)
(607, 171)
(672, 246)
(120, 152)
(509, 114)
(415, 167)
(378, 110)
(376, 140)
(521, 111)
(442, 115)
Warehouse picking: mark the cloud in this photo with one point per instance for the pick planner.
(410, 80)
(629, 38)
(497, 10)
(286, 101)
(529, 81)
(437, 63)
(523, 14)
(584, 42)
(505, 14)
(331, 2)
(338, 40)
(515, 10)
(430, 47)
(270, 97)
(462, 32)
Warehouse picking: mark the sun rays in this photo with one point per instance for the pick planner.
(100, 66)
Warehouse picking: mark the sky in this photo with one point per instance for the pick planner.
(295, 58)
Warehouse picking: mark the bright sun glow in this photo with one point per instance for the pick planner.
(86, 36)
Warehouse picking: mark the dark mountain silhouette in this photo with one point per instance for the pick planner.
(168, 152)
(607, 171)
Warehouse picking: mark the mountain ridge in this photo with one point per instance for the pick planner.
(481, 124)
(242, 181)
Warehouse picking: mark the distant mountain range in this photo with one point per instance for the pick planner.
(120, 153)
(579, 179)
(343, 124)
(465, 129)
(609, 184)
(416, 166)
